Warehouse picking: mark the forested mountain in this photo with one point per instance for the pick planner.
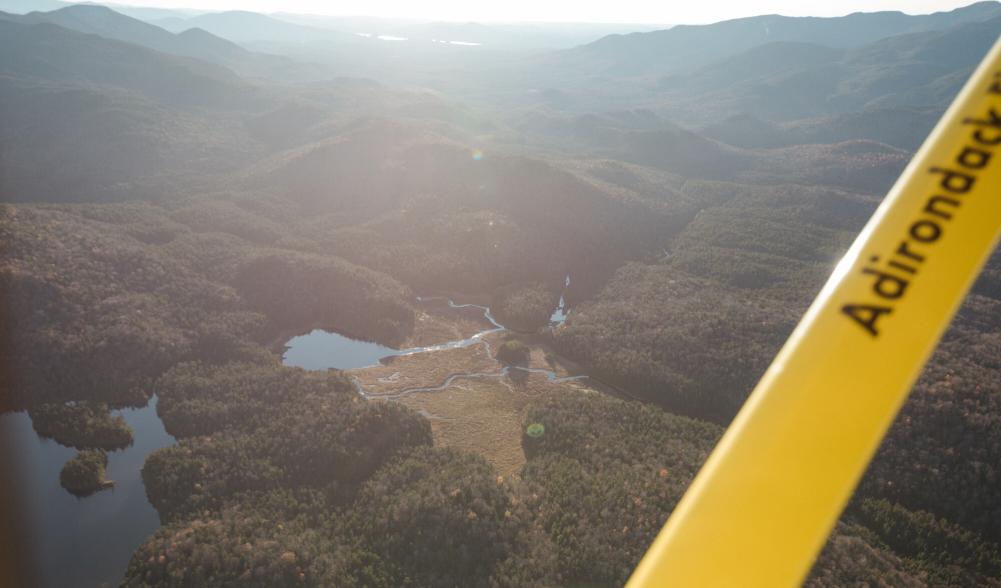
(189, 42)
(87, 118)
(916, 71)
(51, 53)
(177, 206)
(687, 47)
(107, 23)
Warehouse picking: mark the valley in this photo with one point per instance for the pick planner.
(378, 313)
(474, 401)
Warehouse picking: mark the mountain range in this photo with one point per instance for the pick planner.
(191, 42)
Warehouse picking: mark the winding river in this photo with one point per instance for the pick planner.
(321, 350)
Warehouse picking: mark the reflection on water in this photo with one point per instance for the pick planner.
(84, 541)
(320, 350)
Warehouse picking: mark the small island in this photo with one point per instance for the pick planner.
(83, 475)
(513, 352)
(81, 425)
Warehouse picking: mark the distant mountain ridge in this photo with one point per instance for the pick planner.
(83, 117)
(107, 23)
(775, 95)
(50, 52)
(785, 82)
(191, 42)
(687, 46)
(242, 26)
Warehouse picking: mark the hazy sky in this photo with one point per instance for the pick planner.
(635, 11)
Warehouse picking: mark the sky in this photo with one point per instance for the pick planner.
(622, 11)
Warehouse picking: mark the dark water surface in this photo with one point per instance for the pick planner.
(84, 542)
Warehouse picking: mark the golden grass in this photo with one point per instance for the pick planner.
(423, 369)
(479, 414)
(437, 323)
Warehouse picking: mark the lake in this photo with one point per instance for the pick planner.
(320, 350)
(84, 542)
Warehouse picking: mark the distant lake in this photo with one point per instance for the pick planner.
(85, 542)
(320, 350)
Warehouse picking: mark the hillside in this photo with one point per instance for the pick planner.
(52, 53)
(190, 42)
(107, 23)
(686, 47)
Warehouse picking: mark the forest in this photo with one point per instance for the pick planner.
(176, 205)
(280, 493)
